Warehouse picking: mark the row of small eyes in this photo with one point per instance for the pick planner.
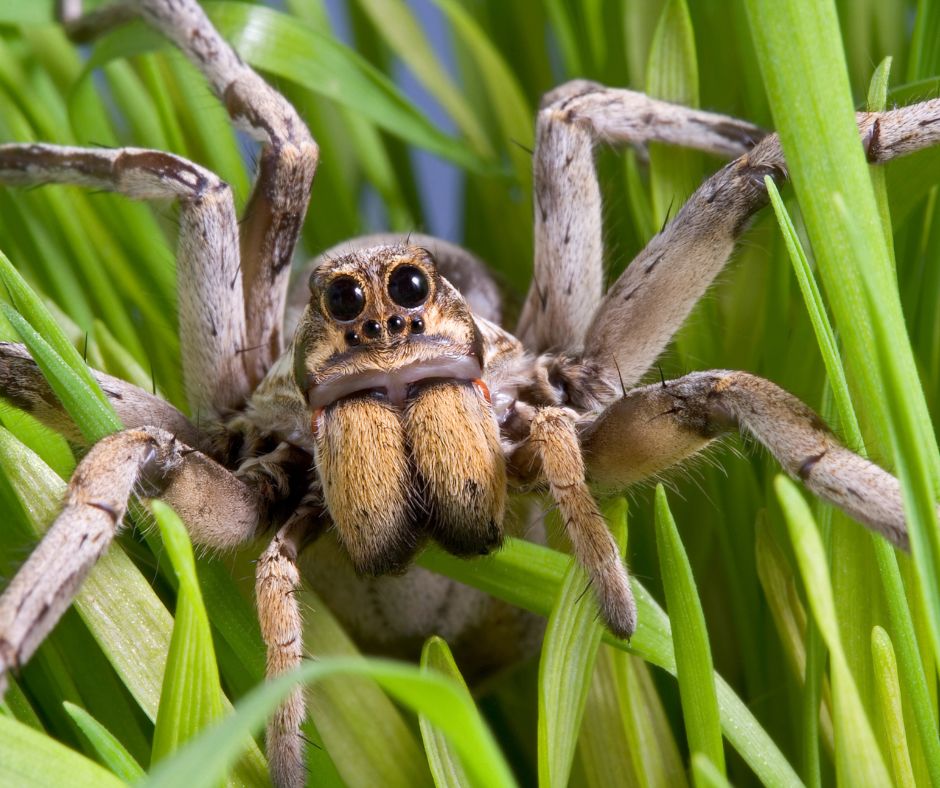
(407, 286)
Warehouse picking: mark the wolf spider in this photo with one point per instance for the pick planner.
(400, 411)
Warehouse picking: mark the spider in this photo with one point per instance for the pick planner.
(381, 404)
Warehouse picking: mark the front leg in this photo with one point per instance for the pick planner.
(145, 459)
(653, 428)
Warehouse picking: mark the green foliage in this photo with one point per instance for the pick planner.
(94, 279)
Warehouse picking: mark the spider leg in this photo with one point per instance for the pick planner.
(654, 427)
(568, 284)
(278, 203)
(653, 297)
(23, 384)
(553, 444)
(277, 580)
(212, 324)
(149, 460)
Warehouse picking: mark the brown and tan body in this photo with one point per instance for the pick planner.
(400, 411)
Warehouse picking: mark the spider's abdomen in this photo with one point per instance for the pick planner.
(392, 477)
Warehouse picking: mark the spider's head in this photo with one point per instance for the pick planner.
(382, 320)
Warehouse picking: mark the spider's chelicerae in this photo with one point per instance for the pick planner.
(389, 407)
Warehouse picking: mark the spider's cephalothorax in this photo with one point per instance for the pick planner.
(401, 410)
(406, 442)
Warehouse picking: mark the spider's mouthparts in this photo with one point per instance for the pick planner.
(394, 382)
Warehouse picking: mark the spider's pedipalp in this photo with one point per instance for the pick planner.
(656, 426)
(554, 448)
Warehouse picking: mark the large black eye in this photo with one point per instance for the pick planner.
(408, 286)
(344, 298)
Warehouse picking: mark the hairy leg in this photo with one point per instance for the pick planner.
(96, 500)
(22, 383)
(569, 277)
(289, 156)
(653, 297)
(212, 325)
(554, 449)
(277, 580)
(657, 426)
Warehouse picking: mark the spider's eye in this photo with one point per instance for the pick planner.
(344, 298)
(408, 286)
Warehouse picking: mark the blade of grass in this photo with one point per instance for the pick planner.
(390, 754)
(807, 83)
(672, 74)
(912, 671)
(191, 697)
(889, 701)
(569, 650)
(95, 417)
(858, 758)
(690, 637)
(399, 28)
(110, 751)
(205, 760)
(529, 575)
(705, 774)
(445, 764)
(30, 306)
(290, 49)
(28, 757)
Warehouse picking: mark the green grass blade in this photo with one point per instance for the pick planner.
(808, 87)
(94, 417)
(445, 764)
(505, 99)
(672, 74)
(29, 758)
(924, 58)
(530, 575)
(690, 637)
(30, 306)
(900, 615)
(569, 649)
(191, 697)
(877, 101)
(293, 50)
(858, 758)
(205, 760)
(889, 701)
(400, 29)
(705, 774)
(364, 732)
(825, 337)
(109, 750)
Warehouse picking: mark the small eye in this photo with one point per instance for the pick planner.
(344, 298)
(408, 286)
